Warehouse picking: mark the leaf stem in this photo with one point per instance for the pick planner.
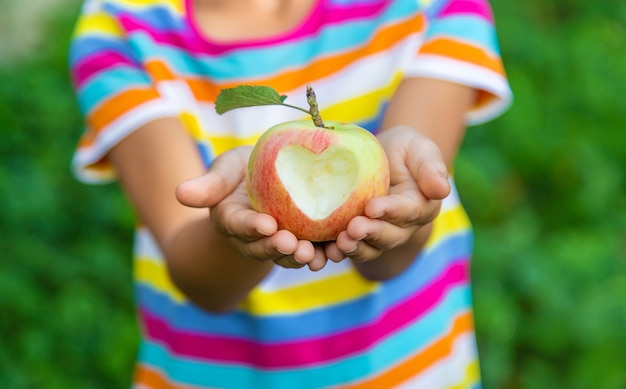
(314, 112)
(298, 108)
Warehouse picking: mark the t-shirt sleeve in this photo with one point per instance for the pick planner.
(114, 93)
(460, 45)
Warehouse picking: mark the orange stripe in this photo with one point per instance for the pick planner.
(420, 362)
(114, 108)
(159, 71)
(151, 378)
(406, 370)
(325, 67)
(463, 52)
(206, 90)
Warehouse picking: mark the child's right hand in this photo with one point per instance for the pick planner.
(256, 235)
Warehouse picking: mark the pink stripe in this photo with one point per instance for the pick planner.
(192, 40)
(94, 64)
(303, 353)
(340, 15)
(473, 7)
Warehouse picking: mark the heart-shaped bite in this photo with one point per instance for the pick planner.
(317, 183)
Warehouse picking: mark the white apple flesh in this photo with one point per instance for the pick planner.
(314, 180)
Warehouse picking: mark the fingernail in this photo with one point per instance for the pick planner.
(281, 252)
(377, 215)
(353, 250)
(264, 233)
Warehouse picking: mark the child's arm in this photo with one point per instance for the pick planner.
(213, 270)
(422, 111)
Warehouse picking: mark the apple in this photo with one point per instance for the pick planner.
(314, 179)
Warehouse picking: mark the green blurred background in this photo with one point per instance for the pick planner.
(543, 184)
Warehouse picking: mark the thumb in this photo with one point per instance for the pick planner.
(432, 179)
(221, 179)
(429, 170)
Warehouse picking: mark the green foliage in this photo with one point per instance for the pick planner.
(66, 312)
(545, 188)
(543, 184)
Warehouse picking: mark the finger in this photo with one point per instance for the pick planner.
(305, 252)
(319, 260)
(235, 220)
(300, 257)
(432, 179)
(377, 233)
(333, 252)
(271, 248)
(288, 262)
(223, 176)
(404, 209)
(305, 255)
(429, 169)
(356, 250)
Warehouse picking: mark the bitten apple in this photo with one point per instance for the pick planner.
(313, 180)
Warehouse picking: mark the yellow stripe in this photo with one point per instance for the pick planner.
(364, 107)
(333, 290)
(224, 143)
(97, 23)
(451, 221)
(191, 123)
(155, 274)
(472, 375)
(103, 23)
(329, 291)
(219, 143)
(176, 5)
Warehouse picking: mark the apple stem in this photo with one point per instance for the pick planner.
(315, 112)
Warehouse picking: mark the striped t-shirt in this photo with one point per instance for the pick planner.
(133, 61)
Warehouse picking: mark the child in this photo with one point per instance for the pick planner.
(220, 301)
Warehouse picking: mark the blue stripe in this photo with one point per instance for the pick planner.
(373, 124)
(466, 28)
(279, 328)
(269, 60)
(206, 153)
(110, 83)
(380, 357)
(158, 16)
(86, 45)
(435, 7)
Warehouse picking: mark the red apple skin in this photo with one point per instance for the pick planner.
(268, 195)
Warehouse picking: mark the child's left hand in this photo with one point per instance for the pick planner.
(418, 184)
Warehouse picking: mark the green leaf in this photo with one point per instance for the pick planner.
(247, 96)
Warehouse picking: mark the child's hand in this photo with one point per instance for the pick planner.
(418, 184)
(255, 235)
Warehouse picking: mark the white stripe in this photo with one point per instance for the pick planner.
(178, 96)
(366, 75)
(452, 201)
(360, 78)
(467, 74)
(91, 7)
(281, 278)
(450, 371)
(112, 135)
(146, 247)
